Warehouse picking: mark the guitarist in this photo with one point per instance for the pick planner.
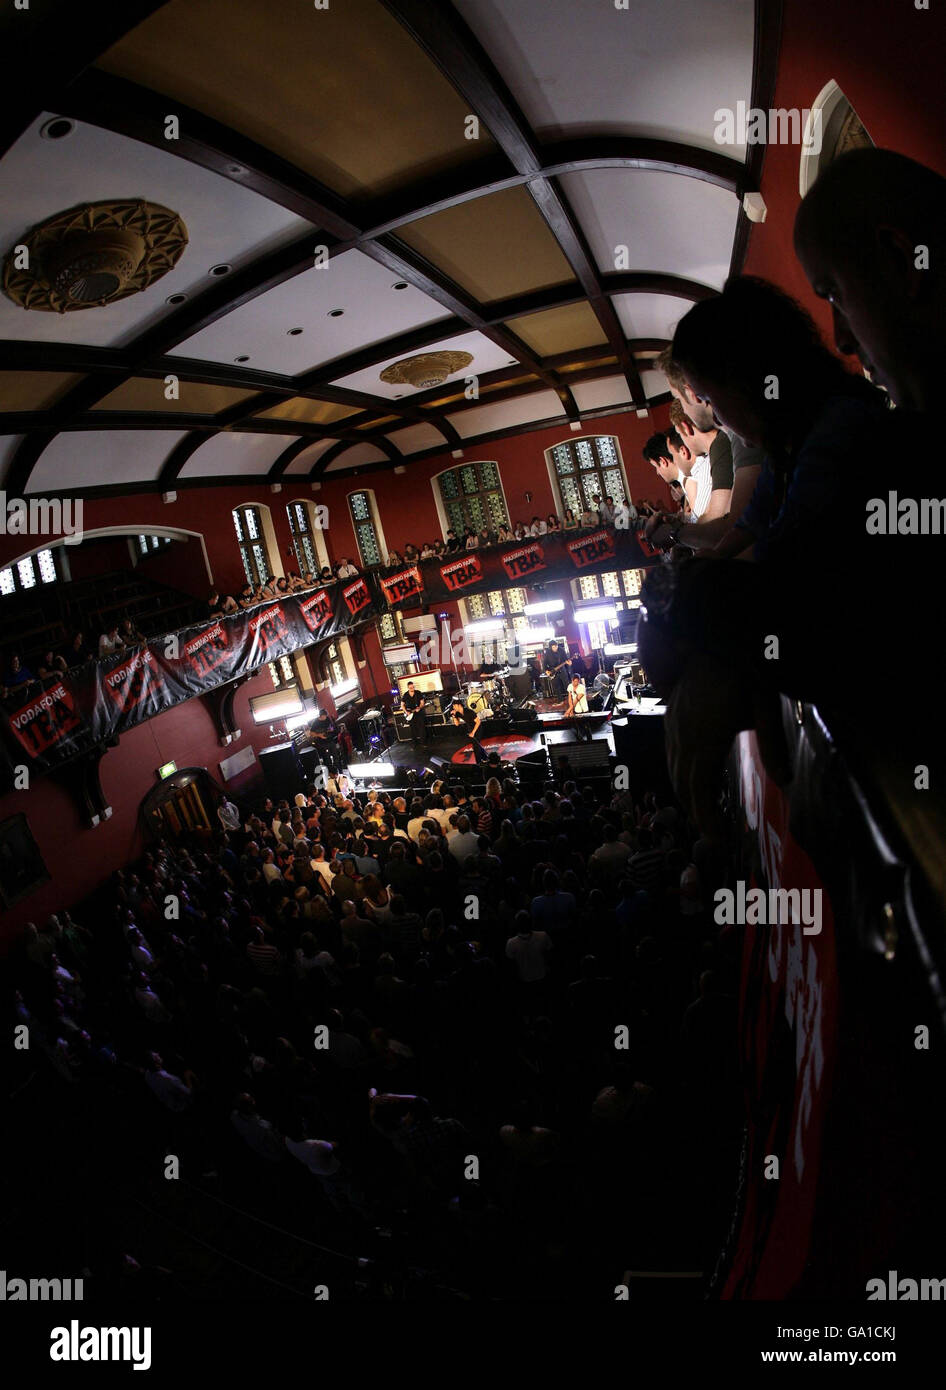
(415, 703)
(555, 659)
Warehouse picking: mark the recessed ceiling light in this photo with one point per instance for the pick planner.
(335, 313)
(221, 269)
(399, 285)
(293, 332)
(178, 298)
(244, 358)
(57, 129)
(235, 169)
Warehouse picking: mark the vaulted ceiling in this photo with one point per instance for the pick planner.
(532, 182)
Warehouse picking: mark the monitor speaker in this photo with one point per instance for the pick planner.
(533, 768)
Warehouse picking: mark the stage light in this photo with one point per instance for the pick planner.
(343, 687)
(552, 605)
(298, 721)
(619, 648)
(372, 770)
(602, 613)
(535, 635)
(486, 625)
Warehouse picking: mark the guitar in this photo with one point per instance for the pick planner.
(553, 670)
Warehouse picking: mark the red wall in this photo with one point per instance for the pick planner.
(180, 565)
(887, 58)
(80, 857)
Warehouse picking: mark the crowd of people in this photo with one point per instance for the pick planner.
(785, 458)
(598, 511)
(18, 675)
(490, 1024)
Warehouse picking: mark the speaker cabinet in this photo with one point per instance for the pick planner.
(639, 746)
(282, 771)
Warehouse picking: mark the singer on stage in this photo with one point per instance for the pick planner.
(465, 718)
(555, 659)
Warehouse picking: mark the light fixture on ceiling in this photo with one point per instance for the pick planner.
(400, 285)
(293, 332)
(245, 358)
(425, 370)
(58, 128)
(93, 254)
(178, 298)
(221, 269)
(335, 313)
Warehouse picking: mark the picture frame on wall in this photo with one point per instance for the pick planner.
(22, 867)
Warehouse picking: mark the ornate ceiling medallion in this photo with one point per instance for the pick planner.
(93, 255)
(427, 369)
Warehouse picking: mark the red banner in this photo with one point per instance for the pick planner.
(316, 610)
(400, 586)
(357, 596)
(591, 549)
(462, 572)
(208, 650)
(136, 684)
(519, 564)
(41, 723)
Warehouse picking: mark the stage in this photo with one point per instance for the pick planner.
(551, 732)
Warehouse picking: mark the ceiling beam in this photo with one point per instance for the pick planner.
(767, 40)
(449, 42)
(46, 43)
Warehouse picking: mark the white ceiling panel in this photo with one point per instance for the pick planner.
(659, 67)
(655, 384)
(236, 453)
(487, 357)
(352, 282)
(504, 415)
(94, 458)
(9, 443)
(225, 223)
(304, 461)
(668, 223)
(592, 395)
(650, 315)
(417, 437)
(356, 456)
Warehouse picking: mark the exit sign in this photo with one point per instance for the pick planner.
(166, 769)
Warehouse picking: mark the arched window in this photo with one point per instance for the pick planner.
(833, 127)
(248, 524)
(303, 541)
(471, 498)
(582, 469)
(39, 568)
(364, 519)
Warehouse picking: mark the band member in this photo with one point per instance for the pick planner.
(465, 718)
(555, 660)
(576, 701)
(324, 733)
(415, 702)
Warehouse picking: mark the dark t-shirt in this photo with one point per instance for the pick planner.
(412, 702)
(721, 462)
(467, 716)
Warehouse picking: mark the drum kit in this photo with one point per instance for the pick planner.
(489, 696)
